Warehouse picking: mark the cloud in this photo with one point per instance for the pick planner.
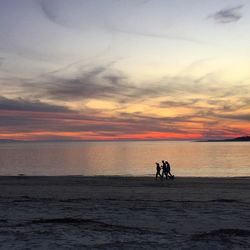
(21, 104)
(105, 83)
(228, 15)
(179, 103)
(154, 35)
(92, 84)
(174, 105)
(61, 14)
(50, 11)
(100, 83)
(91, 122)
(80, 14)
(242, 117)
(225, 106)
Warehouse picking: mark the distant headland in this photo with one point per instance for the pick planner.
(237, 139)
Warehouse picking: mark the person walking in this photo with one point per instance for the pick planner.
(168, 171)
(164, 170)
(158, 170)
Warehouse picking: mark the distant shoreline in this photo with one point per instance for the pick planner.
(127, 140)
(237, 139)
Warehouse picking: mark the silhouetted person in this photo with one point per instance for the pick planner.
(158, 170)
(168, 169)
(164, 170)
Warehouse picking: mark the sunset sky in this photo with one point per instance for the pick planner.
(124, 69)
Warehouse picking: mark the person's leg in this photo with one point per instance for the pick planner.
(167, 176)
(157, 174)
(163, 174)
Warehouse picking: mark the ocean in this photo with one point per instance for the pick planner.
(131, 158)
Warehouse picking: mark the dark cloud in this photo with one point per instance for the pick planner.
(96, 83)
(27, 105)
(179, 103)
(105, 83)
(123, 124)
(49, 10)
(86, 87)
(242, 117)
(225, 106)
(228, 15)
(120, 125)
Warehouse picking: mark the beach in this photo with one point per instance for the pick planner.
(105, 212)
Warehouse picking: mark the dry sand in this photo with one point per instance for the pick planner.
(124, 213)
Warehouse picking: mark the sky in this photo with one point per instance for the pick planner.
(124, 69)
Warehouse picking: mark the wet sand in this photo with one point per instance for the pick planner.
(124, 213)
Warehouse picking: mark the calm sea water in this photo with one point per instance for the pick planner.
(125, 158)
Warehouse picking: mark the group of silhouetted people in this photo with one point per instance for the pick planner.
(163, 170)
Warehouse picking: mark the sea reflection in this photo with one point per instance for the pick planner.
(125, 158)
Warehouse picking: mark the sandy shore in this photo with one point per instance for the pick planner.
(124, 213)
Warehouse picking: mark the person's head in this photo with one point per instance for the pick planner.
(157, 164)
(162, 161)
